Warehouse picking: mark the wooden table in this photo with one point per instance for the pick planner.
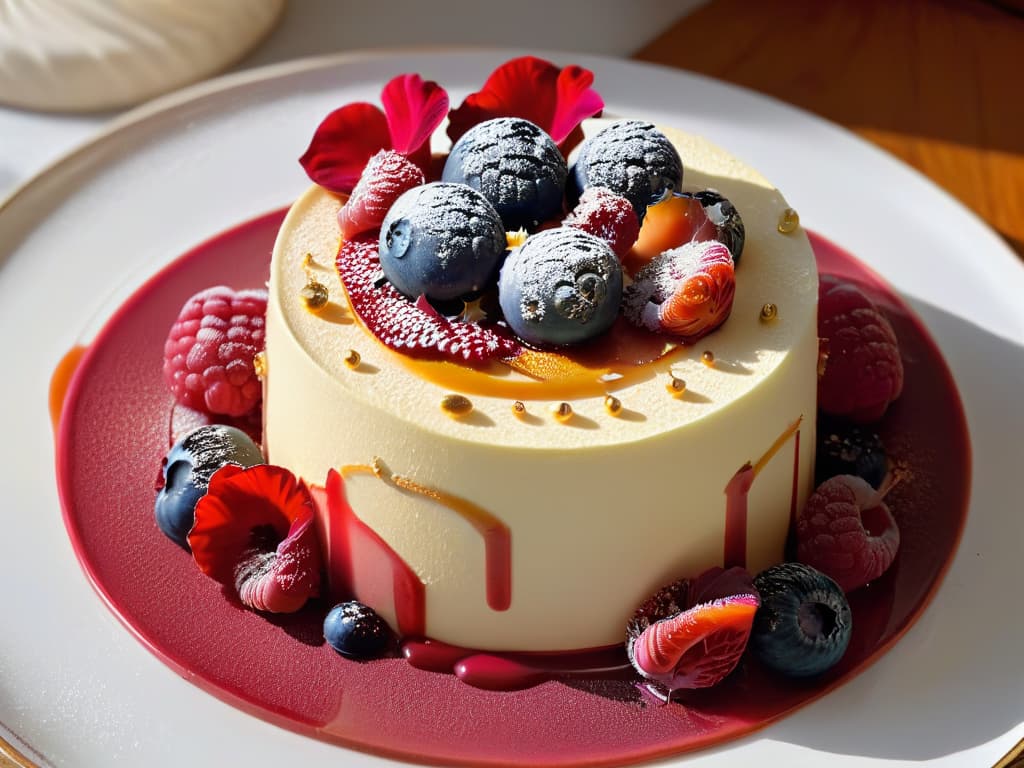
(938, 83)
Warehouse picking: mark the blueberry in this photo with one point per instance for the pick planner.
(515, 165)
(633, 159)
(562, 286)
(187, 470)
(726, 219)
(848, 449)
(356, 631)
(441, 241)
(804, 623)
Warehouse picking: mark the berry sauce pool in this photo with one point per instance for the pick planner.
(107, 462)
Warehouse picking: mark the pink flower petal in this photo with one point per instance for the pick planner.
(414, 108)
(699, 647)
(557, 100)
(342, 145)
(574, 103)
(281, 580)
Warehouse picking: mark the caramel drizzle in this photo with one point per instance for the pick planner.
(496, 535)
(738, 489)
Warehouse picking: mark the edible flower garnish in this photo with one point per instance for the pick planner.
(254, 530)
(692, 633)
(555, 99)
(350, 135)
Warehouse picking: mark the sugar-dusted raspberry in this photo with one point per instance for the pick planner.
(608, 216)
(847, 532)
(413, 328)
(208, 355)
(863, 371)
(386, 176)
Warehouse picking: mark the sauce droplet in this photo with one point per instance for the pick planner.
(769, 312)
(562, 412)
(789, 221)
(456, 405)
(708, 358)
(519, 408)
(353, 359)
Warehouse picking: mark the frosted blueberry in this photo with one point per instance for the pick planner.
(441, 241)
(563, 286)
(633, 159)
(187, 470)
(515, 165)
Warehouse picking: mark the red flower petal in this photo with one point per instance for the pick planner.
(343, 144)
(414, 108)
(557, 100)
(262, 497)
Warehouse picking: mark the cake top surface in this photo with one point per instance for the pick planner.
(718, 370)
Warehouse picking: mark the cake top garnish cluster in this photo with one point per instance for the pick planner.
(512, 220)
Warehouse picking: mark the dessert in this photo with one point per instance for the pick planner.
(291, 668)
(512, 528)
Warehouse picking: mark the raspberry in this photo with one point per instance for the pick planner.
(413, 328)
(863, 371)
(208, 355)
(386, 176)
(847, 532)
(606, 215)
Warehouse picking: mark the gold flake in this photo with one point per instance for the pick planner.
(259, 365)
(472, 312)
(515, 239)
(456, 405)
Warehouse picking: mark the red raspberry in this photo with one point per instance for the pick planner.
(208, 355)
(847, 532)
(386, 176)
(606, 215)
(863, 371)
(414, 328)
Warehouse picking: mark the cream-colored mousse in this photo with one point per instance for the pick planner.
(603, 509)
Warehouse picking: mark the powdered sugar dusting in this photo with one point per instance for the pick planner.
(414, 328)
(515, 165)
(633, 159)
(455, 217)
(687, 291)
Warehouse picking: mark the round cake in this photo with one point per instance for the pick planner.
(532, 507)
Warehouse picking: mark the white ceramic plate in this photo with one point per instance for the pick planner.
(79, 690)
